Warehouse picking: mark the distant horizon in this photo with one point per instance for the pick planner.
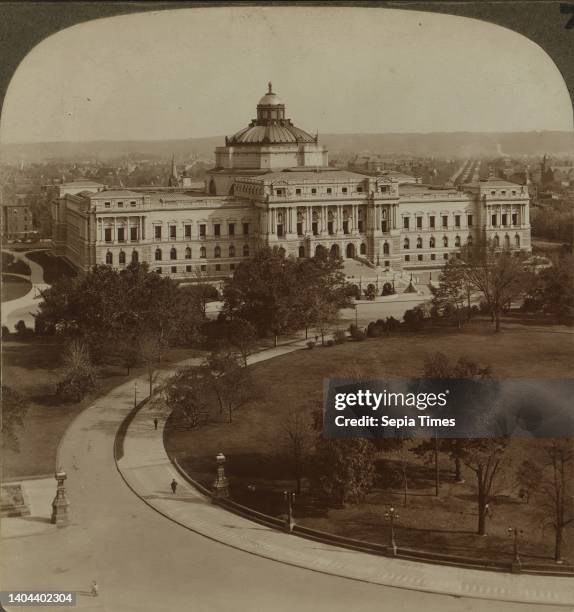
(222, 136)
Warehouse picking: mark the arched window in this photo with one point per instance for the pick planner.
(217, 251)
(432, 242)
(517, 240)
(212, 187)
(387, 248)
(188, 253)
(246, 251)
(231, 251)
(173, 253)
(406, 243)
(363, 248)
(158, 254)
(301, 251)
(507, 241)
(109, 258)
(457, 241)
(135, 257)
(445, 241)
(496, 241)
(203, 252)
(469, 241)
(122, 257)
(419, 243)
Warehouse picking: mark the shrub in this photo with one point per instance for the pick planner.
(392, 324)
(5, 332)
(414, 319)
(76, 385)
(353, 291)
(359, 335)
(330, 343)
(371, 292)
(374, 330)
(22, 330)
(339, 337)
(387, 289)
(311, 344)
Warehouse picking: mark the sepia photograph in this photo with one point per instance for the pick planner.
(287, 307)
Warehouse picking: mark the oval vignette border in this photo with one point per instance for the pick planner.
(23, 25)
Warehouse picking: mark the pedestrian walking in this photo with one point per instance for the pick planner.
(173, 486)
(155, 422)
(95, 589)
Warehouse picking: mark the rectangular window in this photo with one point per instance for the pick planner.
(315, 228)
(330, 227)
(280, 230)
(279, 192)
(173, 269)
(120, 204)
(299, 229)
(344, 190)
(469, 220)
(217, 229)
(345, 227)
(188, 231)
(108, 234)
(407, 257)
(445, 256)
(445, 221)
(419, 222)
(359, 190)
(133, 204)
(232, 267)
(313, 191)
(387, 263)
(218, 267)
(384, 188)
(246, 229)
(202, 230)
(384, 227)
(433, 256)
(157, 232)
(457, 220)
(172, 231)
(107, 204)
(158, 270)
(405, 223)
(121, 234)
(232, 229)
(420, 257)
(514, 219)
(504, 220)
(329, 190)
(133, 234)
(360, 224)
(204, 268)
(188, 268)
(297, 192)
(431, 221)
(493, 218)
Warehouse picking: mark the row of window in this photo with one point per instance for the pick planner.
(202, 230)
(281, 191)
(421, 257)
(133, 204)
(432, 222)
(158, 256)
(504, 220)
(203, 268)
(432, 242)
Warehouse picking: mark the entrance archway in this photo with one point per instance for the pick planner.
(335, 250)
(319, 249)
(350, 251)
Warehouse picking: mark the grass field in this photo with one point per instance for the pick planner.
(54, 267)
(14, 267)
(253, 443)
(14, 287)
(33, 369)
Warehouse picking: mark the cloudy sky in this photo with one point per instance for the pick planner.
(200, 72)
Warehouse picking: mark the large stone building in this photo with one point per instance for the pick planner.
(272, 185)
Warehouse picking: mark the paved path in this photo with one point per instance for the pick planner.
(24, 307)
(143, 561)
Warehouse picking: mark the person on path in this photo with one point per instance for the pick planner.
(155, 422)
(173, 486)
(95, 589)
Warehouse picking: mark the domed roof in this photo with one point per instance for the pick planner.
(270, 98)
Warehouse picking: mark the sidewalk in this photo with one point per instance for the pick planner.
(148, 471)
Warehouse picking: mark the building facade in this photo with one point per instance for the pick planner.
(272, 186)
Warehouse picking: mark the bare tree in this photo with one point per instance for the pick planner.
(297, 436)
(150, 347)
(186, 394)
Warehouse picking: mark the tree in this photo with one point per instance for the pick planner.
(297, 439)
(201, 294)
(496, 274)
(453, 292)
(231, 383)
(484, 457)
(79, 374)
(344, 469)
(242, 335)
(149, 347)
(187, 395)
(557, 494)
(528, 479)
(14, 409)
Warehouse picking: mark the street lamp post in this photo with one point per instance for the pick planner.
(221, 484)
(392, 516)
(289, 521)
(135, 393)
(515, 533)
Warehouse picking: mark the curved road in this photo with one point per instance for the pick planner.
(143, 561)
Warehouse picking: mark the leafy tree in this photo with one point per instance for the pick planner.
(242, 335)
(150, 348)
(344, 469)
(187, 395)
(453, 292)
(14, 409)
(297, 439)
(496, 274)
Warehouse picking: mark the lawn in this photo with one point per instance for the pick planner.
(9, 264)
(14, 287)
(33, 368)
(253, 443)
(54, 267)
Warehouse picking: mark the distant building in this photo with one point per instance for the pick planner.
(17, 219)
(272, 186)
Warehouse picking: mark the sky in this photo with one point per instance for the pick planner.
(191, 73)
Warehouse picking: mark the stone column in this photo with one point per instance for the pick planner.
(60, 505)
